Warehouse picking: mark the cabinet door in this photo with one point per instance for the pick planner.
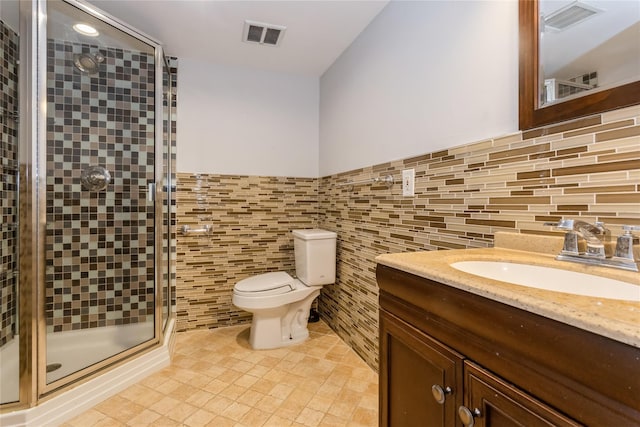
(411, 364)
(497, 403)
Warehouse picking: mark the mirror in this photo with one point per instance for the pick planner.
(577, 58)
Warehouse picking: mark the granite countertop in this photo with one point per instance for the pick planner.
(615, 319)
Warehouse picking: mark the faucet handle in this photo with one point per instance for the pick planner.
(624, 244)
(570, 245)
(629, 228)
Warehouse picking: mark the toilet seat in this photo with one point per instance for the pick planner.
(275, 283)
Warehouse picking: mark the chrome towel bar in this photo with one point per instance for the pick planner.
(206, 229)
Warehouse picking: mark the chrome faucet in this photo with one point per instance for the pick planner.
(597, 239)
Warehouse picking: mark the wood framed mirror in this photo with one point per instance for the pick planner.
(532, 115)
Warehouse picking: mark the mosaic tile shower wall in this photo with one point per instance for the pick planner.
(588, 169)
(252, 219)
(100, 269)
(8, 181)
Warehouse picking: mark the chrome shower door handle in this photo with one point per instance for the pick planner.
(151, 191)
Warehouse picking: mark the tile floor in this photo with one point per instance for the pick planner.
(216, 379)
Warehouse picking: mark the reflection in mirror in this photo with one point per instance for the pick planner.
(606, 96)
(9, 341)
(587, 46)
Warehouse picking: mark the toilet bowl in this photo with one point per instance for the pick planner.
(279, 315)
(279, 303)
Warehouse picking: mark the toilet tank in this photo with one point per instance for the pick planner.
(315, 253)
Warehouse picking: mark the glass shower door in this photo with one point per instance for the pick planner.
(100, 243)
(9, 168)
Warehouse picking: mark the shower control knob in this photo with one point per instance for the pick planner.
(95, 178)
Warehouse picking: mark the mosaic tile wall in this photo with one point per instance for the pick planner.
(588, 169)
(100, 269)
(8, 180)
(252, 219)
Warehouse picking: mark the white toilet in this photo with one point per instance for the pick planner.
(280, 304)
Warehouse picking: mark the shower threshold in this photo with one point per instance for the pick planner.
(71, 351)
(73, 401)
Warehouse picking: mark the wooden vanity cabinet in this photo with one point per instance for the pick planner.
(515, 367)
(412, 364)
(425, 383)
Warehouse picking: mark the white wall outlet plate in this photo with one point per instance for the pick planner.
(408, 182)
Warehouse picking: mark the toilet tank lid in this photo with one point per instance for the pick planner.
(314, 234)
(266, 282)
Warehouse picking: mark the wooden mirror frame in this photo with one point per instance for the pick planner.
(530, 115)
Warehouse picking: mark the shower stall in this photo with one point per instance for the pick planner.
(86, 178)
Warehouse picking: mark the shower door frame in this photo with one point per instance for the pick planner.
(33, 137)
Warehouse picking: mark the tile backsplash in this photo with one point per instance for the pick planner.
(588, 168)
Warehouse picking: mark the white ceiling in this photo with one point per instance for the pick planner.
(318, 31)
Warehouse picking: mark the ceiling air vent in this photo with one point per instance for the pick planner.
(261, 33)
(569, 16)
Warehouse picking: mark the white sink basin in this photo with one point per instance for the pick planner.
(551, 279)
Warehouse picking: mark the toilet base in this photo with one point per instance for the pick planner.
(281, 326)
